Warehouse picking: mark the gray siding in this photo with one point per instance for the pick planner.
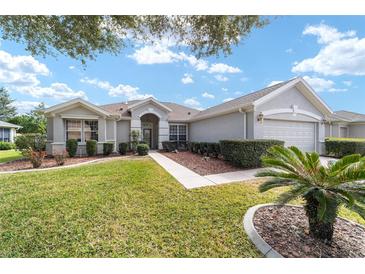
(123, 130)
(357, 131)
(229, 126)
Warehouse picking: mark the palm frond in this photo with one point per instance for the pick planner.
(273, 183)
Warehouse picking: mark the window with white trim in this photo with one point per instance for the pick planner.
(82, 130)
(90, 130)
(178, 133)
(5, 134)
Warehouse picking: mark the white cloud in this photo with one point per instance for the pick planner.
(274, 83)
(327, 34)
(187, 79)
(193, 102)
(130, 92)
(208, 95)
(221, 78)
(290, 50)
(347, 83)
(197, 64)
(223, 68)
(155, 54)
(25, 106)
(341, 53)
(60, 91)
(224, 89)
(238, 92)
(227, 99)
(20, 70)
(320, 84)
(71, 67)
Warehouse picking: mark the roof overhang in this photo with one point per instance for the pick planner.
(305, 89)
(76, 102)
(147, 101)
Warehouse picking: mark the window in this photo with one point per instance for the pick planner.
(178, 133)
(173, 132)
(90, 130)
(81, 130)
(5, 134)
(73, 130)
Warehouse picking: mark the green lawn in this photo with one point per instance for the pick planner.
(9, 155)
(122, 209)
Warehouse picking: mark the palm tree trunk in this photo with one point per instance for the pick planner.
(318, 229)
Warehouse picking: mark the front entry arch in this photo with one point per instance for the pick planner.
(150, 130)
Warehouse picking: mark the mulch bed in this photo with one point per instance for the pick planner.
(199, 164)
(285, 229)
(48, 162)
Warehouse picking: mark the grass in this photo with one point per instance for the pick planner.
(9, 155)
(123, 209)
(346, 139)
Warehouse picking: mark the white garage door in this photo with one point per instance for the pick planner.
(299, 134)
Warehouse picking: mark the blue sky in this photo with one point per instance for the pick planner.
(328, 51)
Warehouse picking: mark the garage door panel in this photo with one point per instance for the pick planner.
(299, 134)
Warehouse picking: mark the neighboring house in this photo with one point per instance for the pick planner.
(346, 124)
(8, 132)
(289, 111)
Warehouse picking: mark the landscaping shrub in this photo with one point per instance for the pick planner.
(108, 148)
(342, 147)
(135, 140)
(123, 147)
(246, 153)
(142, 149)
(174, 145)
(196, 147)
(71, 147)
(35, 157)
(213, 149)
(91, 147)
(35, 141)
(6, 146)
(60, 158)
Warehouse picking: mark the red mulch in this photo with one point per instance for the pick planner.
(199, 164)
(48, 162)
(286, 230)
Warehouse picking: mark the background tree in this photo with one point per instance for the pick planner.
(83, 37)
(32, 122)
(6, 109)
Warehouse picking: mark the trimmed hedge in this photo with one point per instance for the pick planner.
(6, 146)
(122, 149)
(174, 145)
(205, 148)
(35, 141)
(71, 147)
(108, 148)
(142, 149)
(246, 153)
(340, 148)
(91, 147)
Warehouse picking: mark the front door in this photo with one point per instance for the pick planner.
(147, 136)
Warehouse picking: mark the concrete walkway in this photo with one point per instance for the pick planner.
(188, 178)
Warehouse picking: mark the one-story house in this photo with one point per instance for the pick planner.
(8, 131)
(290, 111)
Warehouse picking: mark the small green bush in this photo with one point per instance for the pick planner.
(342, 147)
(91, 147)
(142, 149)
(213, 149)
(6, 146)
(71, 147)
(246, 153)
(174, 145)
(123, 147)
(108, 148)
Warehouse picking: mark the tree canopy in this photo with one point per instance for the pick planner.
(7, 110)
(84, 37)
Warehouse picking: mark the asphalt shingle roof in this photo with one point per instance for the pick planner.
(6, 124)
(343, 115)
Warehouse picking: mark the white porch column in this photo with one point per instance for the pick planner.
(163, 132)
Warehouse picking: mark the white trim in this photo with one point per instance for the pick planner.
(150, 111)
(307, 89)
(292, 111)
(180, 124)
(150, 99)
(76, 101)
(79, 117)
(115, 136)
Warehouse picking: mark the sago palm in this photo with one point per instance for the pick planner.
(323, 188)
